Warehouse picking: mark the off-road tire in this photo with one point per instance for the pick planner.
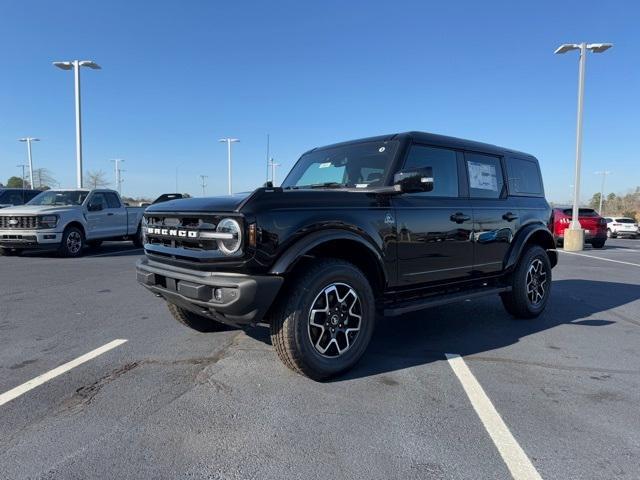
(194, 321)
(66, 249)
(290, 319)
(516, 301)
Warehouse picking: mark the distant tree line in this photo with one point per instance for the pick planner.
(624, 205)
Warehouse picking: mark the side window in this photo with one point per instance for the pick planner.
(16, 199)
(485, 176)
(98, 199)
(112, 200)
(445, 169)
(524, 177)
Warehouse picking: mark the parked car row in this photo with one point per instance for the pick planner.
(621, 227)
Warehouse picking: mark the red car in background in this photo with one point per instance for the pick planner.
(595, 226)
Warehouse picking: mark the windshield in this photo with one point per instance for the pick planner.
(359, 165)
(625, 220)
(71, 197)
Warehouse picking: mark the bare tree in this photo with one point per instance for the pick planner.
(42, 178)
(96, 179)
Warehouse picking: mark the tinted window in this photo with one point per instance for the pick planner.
(485, 176)
(582, 212)
(98, 199)
(625, 220)
(112, 200)
(445, 169)
(524, 177)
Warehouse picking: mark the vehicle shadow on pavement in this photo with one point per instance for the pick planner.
(478, 326)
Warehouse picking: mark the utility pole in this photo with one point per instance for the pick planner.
(119, 171)
(23, 166)
(273, 166)
(268, 153)
(604, 174)
(203, 178)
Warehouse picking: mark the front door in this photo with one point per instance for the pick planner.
(96, 216)
(495, 215)
(434, 228)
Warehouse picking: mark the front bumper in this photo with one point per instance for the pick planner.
(30, 239)
(243, 299)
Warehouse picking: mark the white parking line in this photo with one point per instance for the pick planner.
(600, 258)
(45, 377)
(517, 461)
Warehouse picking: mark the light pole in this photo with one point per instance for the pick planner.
(76, 65)
(229, 141)
(574, 235)
(28, 140)
(604, 174)
(116, 162)
(273, 166)
(203, 178)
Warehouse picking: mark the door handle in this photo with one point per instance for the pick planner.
(459, 217)
(109, 214)
(509, 217)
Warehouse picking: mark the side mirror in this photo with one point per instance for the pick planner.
(415, 180)
(94, 207)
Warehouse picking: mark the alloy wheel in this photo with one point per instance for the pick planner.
(536, 282)
(74, 242)
(335, 318)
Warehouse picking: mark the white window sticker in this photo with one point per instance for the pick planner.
(483, 176)
(325, 165)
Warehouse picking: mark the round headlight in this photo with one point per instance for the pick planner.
(231, 245)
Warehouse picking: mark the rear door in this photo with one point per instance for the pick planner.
(496, 215)
(434, 228)
(116, 216)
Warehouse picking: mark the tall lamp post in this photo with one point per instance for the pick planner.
(119, 171)
(76, 65)
(604, 174)
(229, 141)
(273, 166)
(574, 235)
(28, 140)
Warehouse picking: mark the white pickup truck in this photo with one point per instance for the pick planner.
(68, 220)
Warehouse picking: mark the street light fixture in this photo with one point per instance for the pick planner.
(574, 235)
(229, 141)
(75, 65)
(28, 140)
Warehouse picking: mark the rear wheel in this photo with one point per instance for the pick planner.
(194, 321)
(531, 284)
(72, 242)
(324, 321)
(610, 233)
(597, 244)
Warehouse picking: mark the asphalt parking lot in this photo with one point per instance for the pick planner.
(172, 403)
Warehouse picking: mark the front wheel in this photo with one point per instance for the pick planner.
(531, 284)
(72, 242)
(325, 320)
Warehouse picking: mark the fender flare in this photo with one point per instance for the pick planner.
(522, 238)
(307, 243)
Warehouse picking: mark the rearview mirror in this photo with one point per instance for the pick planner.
(414, 180)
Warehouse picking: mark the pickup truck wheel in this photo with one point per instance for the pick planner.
(195, 321)
(531, 285)
(72, 242)
(325, 319)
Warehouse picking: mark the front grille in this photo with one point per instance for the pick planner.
(185, 223)
(18, 222)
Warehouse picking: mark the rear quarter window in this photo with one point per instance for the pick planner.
(524, 177)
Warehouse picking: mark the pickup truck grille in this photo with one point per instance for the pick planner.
(18, 222)
(180, 236)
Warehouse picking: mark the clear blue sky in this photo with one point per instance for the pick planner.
(179, 75)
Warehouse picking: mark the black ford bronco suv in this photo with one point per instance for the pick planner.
(383, 225)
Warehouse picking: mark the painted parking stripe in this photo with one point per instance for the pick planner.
(600, 258)
(516, 460)
(45, 377)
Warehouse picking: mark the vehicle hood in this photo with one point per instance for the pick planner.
(38, 209)
(223, 203)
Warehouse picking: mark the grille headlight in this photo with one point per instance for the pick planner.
(232, 227)
(47, 221)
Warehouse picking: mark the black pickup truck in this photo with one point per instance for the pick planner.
(383, 225)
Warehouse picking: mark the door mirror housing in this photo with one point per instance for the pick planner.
(94, 207)
(414, 180)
